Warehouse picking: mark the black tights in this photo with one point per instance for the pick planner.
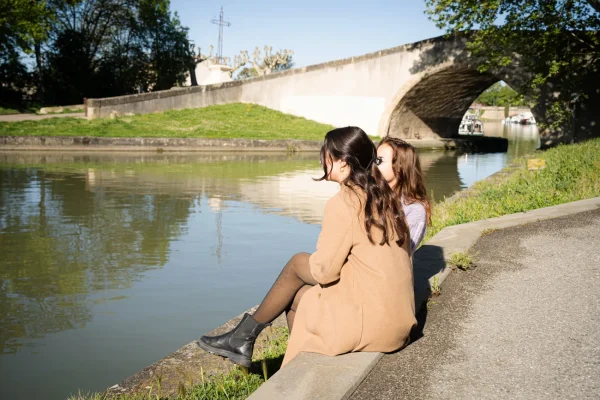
(285, 294)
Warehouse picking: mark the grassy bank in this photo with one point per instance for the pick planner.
(236, 385)
(572, 173)
(29, 108)
(8, 111)
(223, 121)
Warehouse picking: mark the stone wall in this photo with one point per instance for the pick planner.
(174, 99)
(497, 113)
(83, 143)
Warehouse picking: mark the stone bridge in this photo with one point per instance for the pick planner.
(416, 91)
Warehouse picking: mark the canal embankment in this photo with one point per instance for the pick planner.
(473, 144)
(230, 127)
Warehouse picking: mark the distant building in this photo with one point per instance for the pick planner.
(208, 73)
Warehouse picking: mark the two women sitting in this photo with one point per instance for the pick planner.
(355, 292)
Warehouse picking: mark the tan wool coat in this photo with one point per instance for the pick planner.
(365, 298)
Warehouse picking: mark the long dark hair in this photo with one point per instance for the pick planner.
(407, 168)
(382, 208)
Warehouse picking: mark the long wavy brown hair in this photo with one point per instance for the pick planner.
(407, 168)
(382, 208)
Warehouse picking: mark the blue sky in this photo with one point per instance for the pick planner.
(317, 31)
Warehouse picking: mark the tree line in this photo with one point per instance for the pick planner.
(60, 51)
(501, 95)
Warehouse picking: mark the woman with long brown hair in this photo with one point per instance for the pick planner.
(398, 163)
(355, 292)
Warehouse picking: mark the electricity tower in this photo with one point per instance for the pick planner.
(221, 24)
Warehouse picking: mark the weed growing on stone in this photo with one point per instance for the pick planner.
(487, 231)
(461, 260)
(435, 287)
(430, 303)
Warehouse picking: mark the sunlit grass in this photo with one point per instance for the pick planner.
(461, 260)
(572, 173)
(8, 111)
(227, 121)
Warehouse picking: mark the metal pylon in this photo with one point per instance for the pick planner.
(221, 24)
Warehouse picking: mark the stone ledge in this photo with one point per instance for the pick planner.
(314, 376)
(69, 143)
(153, 144)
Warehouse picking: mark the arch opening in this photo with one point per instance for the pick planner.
(433, 105)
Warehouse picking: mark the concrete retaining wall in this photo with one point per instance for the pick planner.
(70, 143)
(497, 113)
(174, 99)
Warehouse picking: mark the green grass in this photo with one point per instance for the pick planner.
(28, 108)
(461, 260)
(8, 111)
(572, 173)
(222, 121)
(236, 384)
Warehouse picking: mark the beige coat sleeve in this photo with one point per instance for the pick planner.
(335, 241)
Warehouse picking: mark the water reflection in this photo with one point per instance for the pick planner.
(522, 139)
(110, 261)
(60, 241)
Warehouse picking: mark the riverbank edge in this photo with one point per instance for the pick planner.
(84, 143)
(190, 366)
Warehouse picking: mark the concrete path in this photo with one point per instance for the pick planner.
(36, 117)
(525, 324)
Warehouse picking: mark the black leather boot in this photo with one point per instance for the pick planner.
(237, 344)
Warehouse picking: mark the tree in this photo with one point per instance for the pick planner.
(166, 39)
(22, 24)
(556, 41)
(500, 95)
(269, 62)
(100, 48)
(265, 64)
(288, 64)
(246, 73)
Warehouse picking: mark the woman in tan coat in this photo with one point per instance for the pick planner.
(355, 292)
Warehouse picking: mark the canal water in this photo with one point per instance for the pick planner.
(111, 261)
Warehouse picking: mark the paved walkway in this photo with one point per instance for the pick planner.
(525, 324)
(35, 117)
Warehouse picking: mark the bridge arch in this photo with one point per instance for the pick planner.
(433, 102)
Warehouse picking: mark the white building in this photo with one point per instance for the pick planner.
(208, 72)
